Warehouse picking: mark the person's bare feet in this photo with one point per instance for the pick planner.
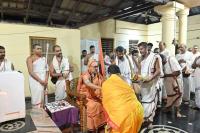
(179, 115)
(167, 109)
(150, 126)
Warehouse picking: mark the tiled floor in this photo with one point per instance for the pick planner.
(42, 121)
(36, 121)
(189, 124)
(163, 123)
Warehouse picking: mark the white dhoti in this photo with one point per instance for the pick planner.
(188, 58)
(37, 90)
(149, 100)
(194, 74)
(60, 90)
(197, 85)
(192, 85)
(186, 87)
(149, 90)
(159, 90)
(164, 93)
(197, 97)
(63, 67)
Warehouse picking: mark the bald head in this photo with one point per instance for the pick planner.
(182, 48)
(162, 46)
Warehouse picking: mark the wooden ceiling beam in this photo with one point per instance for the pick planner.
(52, 10)
(27, 11)
(89, 18)
(93, 3)
(1, 8)
(49, 7)
(75, 6)
(136, 9)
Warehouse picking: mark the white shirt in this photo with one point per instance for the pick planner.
(171, 66)
(107, 59)
(195, 56)
(6, 65)
(94, 57)
(165, 52)
(83, 66)
(188, 57)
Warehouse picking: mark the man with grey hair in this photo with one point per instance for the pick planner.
(124, 63)
(185, 61)
(163, 50)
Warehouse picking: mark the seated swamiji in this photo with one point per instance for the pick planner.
(89, 85)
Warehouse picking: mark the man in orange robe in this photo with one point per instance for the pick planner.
(89, 85)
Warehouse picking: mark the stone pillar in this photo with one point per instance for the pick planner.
(183, 22)
(168, 20)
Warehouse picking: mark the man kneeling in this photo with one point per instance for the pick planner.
(124, 113)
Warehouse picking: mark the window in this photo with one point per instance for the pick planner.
(133, 45)
(43, 42)
(107, 45)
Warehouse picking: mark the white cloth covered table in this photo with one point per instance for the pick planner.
(12, 99)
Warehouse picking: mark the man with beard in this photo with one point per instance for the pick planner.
(151, 69)
(60, 69)
(150, 46)
(5, 64)
(124, 63)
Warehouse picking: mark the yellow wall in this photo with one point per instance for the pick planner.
(91, 31)
(126, 31)
(121, 31)
(15, 38)
(154, 33)
(107, 28)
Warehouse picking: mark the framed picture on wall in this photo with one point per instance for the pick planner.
(133, 45)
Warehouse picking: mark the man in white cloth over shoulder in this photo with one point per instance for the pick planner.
(38, 76)
(151, 69)
(60, 69)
